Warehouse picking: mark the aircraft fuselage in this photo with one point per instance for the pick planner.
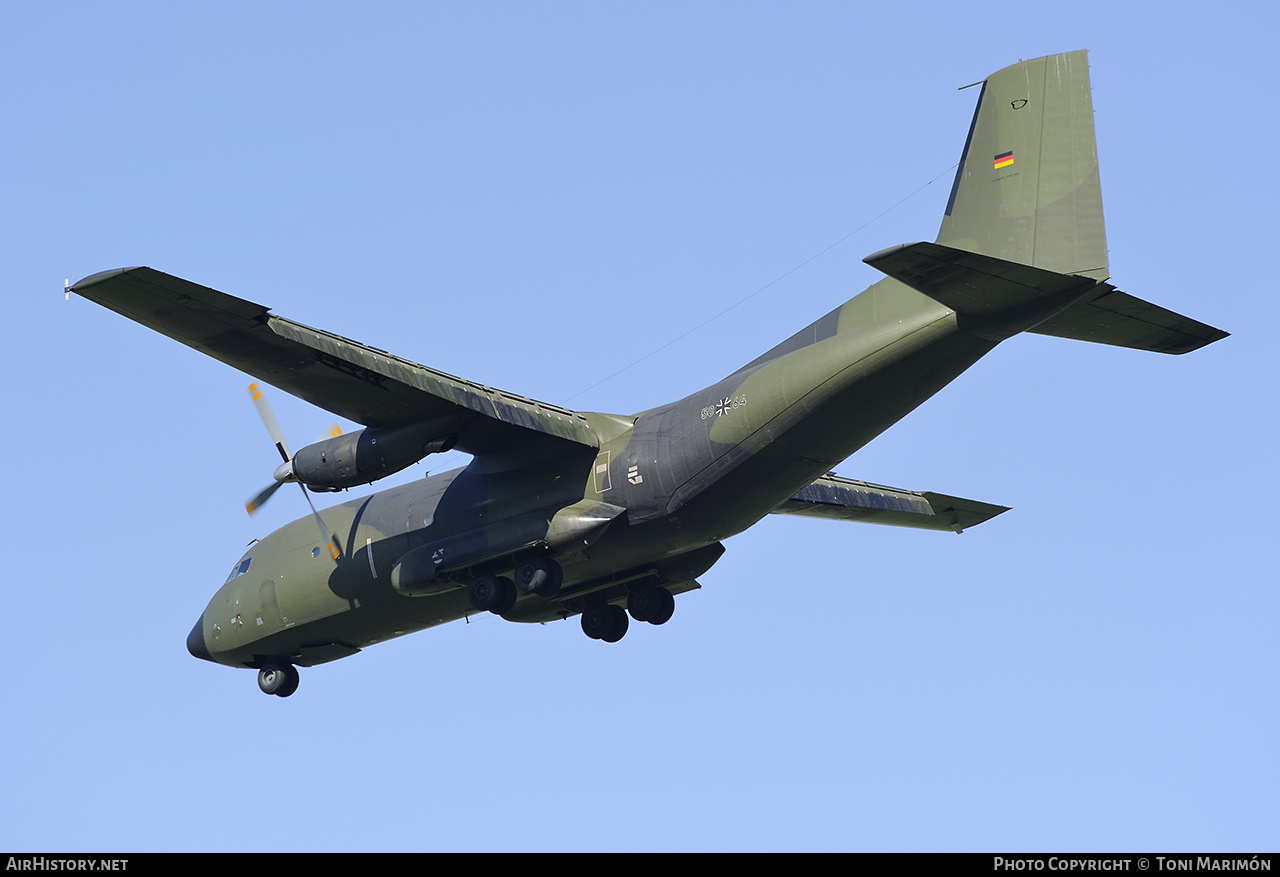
(686, 475)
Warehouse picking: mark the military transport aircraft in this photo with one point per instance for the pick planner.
(563, 513)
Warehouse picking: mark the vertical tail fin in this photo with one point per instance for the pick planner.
(1027, 188)
(1028, 202)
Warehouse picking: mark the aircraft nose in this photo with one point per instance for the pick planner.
(195, 641)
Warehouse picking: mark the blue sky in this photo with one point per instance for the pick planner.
(533, 196)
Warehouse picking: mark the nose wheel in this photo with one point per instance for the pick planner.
(280, 680)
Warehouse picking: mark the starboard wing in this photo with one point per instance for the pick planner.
(360, 383)
(843, 499)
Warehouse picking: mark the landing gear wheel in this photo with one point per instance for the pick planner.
(539, 575)
(604, 621)
(291, 681)
(666, 609)
(281, 681)
(485, 593)
(596, 620)
(555, 577)
(620, 624)
(644, 603)
(531, 575)
(509, 595)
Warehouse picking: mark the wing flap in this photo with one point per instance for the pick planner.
(843, 499)
(360, 383)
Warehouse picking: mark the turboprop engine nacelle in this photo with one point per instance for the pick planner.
(363, 456)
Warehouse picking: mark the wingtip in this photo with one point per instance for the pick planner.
(94, 279)
(885, 253)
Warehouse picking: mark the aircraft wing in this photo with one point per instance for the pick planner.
(843, 499)
(360, 383)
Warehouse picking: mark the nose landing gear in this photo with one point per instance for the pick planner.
(278, 679)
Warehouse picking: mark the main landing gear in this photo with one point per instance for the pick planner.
(654, 605)
(497, 594)
(542, 576)
(539, 575)
(492, 594)
(278, 679)
(605, 621)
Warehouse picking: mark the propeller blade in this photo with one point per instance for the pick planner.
(284, 474)
(333, 432)
(261, 499)
(269, 418)
(330, 540)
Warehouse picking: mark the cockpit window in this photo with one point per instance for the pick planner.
(240, 568)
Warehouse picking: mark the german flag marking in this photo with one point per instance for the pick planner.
(1004, 159)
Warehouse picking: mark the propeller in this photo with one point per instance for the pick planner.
(284, 473)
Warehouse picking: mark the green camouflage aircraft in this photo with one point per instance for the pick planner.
(563, 513)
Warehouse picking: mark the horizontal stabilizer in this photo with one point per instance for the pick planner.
(982, 287)
(1114, 317)
(842, 499)
(998, 299)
